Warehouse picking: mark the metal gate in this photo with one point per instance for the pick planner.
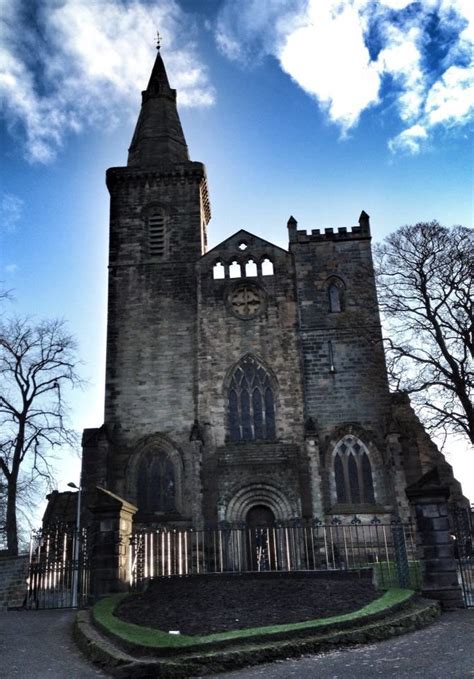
(58, 575)
(462, 536)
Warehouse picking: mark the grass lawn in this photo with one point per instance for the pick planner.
(103, 613)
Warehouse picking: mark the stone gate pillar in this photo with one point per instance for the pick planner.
(435, 545)
(112, 519)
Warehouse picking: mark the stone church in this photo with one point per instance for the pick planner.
(245, 383)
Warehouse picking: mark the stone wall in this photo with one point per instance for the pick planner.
(345, 380)
(270, 336)
(13, 574)
(151, 340)
(351, 384)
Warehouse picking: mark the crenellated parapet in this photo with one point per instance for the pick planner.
(362, 231)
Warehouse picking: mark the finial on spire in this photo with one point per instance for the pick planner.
(158, 40)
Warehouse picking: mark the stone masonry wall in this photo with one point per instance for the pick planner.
(151, 342)
(271, 336)
(344, 370)
(357, 390)
(13, 574)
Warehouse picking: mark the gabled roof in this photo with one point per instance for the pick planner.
(244, 235)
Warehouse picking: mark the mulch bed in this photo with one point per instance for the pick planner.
(218, 603)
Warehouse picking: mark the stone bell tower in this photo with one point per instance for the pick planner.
(159, 210)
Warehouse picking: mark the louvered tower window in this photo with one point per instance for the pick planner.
(156, 234)
(251, 406)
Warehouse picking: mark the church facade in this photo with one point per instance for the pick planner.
(245, 383)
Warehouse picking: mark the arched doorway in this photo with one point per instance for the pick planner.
(261, 539)
(260, 516)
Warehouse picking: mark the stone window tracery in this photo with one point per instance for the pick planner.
(246, 300)
(156, 483)
(251, 404)
(353, 472)
(243, 266)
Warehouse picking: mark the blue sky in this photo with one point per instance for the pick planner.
(316, 108)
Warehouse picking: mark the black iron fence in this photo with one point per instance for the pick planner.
(58, 575)
(462, 535)
(387, 548)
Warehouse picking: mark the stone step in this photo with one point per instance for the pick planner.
(124, 665)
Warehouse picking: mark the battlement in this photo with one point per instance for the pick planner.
(317, 235)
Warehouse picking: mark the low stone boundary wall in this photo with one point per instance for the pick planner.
(13, 574)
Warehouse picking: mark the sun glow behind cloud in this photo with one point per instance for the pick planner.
(79, 63)
(350, 55)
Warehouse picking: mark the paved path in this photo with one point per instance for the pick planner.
(38, 645)
(444, 650)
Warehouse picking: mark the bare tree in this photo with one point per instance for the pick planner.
(37, 362)
(424, 275)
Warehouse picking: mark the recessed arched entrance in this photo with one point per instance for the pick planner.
(260, 521)
(236, 506)
(260, 516)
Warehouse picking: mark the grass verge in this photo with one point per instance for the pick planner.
(146, 637)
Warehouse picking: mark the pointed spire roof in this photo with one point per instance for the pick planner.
(159, 78)
(158, 138)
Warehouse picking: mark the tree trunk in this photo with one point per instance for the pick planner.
(11, 526)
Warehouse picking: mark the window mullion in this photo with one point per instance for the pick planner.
(345, 458)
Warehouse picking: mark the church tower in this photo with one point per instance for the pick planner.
(159, 211)
(245, 384)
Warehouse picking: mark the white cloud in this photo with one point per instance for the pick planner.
(401, 60)
(11, 268)
(316, 56)
(325, 47)
(11, 209)
(85, 62)
(410, 140)
(451, 99)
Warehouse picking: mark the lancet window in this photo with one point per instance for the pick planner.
(251, 402)
(353, 472)
(156, 483)
(335, 290)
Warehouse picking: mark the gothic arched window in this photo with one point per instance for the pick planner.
(156, 483)
(251, 402)
(218, 271)
(335, 288)
(353, 472)
(267, 267)
(156, 234)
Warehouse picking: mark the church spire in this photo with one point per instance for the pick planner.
(158, 138)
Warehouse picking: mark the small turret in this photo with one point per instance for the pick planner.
(364, 223)
(292, 225)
